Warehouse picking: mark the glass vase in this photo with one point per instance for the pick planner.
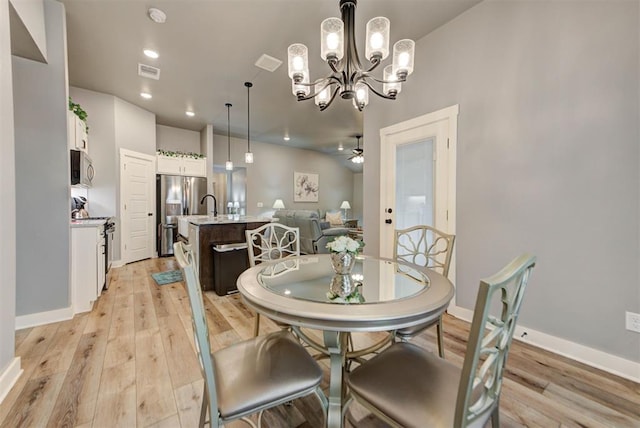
(343, 262)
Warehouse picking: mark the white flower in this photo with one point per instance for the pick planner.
(344, 243)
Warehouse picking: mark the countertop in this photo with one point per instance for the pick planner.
(87, 223)
(225, 219)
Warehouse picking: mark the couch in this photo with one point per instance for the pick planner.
(314, 232)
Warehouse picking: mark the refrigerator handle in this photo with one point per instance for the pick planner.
(186, 196)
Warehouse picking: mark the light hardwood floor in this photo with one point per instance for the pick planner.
(130, 363)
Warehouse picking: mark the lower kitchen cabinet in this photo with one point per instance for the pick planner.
(87, 266)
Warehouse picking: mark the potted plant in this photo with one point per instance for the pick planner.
(77, 109)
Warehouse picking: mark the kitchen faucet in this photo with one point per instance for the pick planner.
(215, 203)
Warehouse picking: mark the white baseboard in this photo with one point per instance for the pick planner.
(40, 318)
(595, 358)
(117, 263)
(9, 377)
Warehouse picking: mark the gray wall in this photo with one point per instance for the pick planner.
(548, 156)
(101, 122)
(177, 139)
(42, 173)
(270, 177)
(8, 197)
(357, 199)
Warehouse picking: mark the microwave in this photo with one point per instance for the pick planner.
(81, 169)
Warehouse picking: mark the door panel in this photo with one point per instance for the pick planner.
(138, 198)
(417, 177)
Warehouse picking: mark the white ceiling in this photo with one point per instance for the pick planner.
(208, 49)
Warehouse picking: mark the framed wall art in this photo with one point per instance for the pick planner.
(305, 187)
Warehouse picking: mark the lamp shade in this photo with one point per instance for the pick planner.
(345, 205)
(278, 204)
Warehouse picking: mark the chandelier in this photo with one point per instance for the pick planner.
(348, 78)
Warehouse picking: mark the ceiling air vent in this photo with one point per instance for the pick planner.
(268, 63)
(148, 71)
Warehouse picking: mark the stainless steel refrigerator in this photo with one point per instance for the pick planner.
(177, 195)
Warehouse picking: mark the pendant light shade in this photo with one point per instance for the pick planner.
(228, 165)
(248, 157)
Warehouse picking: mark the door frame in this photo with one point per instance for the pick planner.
(124, 225)
(449, 114)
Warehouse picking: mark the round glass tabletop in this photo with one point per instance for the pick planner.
(370, 281)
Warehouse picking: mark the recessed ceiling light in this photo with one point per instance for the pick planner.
(145, 95)
(189, 113)
(151, 53)
(286, 138)
(156, 15)
(340, 147)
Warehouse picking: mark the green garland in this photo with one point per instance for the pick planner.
(76, 109)
(178, 154)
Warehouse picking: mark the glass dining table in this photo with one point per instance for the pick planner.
(378, 295)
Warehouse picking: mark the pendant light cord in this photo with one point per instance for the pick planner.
(228, 131)
(248, 85)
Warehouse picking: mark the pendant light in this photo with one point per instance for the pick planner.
(248, 157)
(228, 165)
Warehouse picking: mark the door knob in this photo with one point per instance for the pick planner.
(389, 210)
(149, 214)
(388, 221)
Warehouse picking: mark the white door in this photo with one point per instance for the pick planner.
(417, 170)
(137, 202)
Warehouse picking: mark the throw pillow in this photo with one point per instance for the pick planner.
(335, 219)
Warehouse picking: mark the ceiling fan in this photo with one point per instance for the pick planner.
(358, 153)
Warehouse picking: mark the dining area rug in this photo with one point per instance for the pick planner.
(168, 277)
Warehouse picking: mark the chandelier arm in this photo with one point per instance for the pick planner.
(366, 75)
(313, 94)
(375, 62)
(333, 96)
(378, 93)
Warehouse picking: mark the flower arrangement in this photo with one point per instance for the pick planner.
(354, 297)
(178, 154)
(345, 244)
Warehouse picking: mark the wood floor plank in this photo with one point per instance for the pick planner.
(134, 373)
(182, 361)
(61, 351)
(189, 402)
(154, 393)
(117, 396)
(33, 407)
(81, 380)
(145, 316)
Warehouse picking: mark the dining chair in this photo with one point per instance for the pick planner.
(428, 247)
(268, 242)
(251, 376)
(407, 386)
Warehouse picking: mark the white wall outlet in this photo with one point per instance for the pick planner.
(633, 322)
(260, 204)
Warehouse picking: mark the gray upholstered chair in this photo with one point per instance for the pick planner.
(314, 233)
(407, 386)
(271, 241)
(250, 376)
(428, 247)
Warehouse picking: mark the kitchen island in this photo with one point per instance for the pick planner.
(205, 232)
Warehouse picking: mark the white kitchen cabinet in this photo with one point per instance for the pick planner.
(87, 266)
(77, 132)
(172, 165)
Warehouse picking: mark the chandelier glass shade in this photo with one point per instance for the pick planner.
(348, 78)
(248, 156)
(228, 164)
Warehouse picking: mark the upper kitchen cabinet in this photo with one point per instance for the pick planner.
(173, 165)
(78, 137)
(77, 128)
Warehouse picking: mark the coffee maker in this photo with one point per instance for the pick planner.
(78, 207)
